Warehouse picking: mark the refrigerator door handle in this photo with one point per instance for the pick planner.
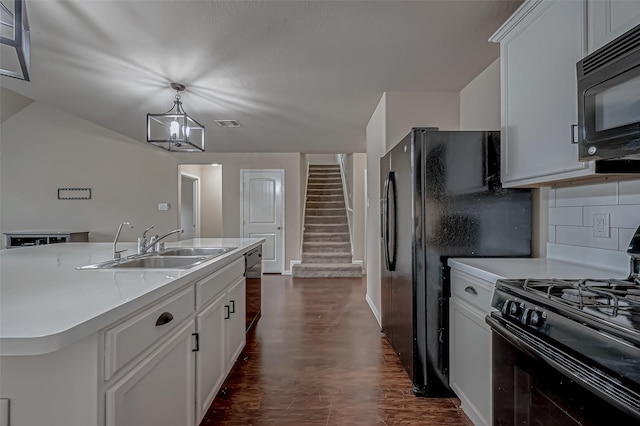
(391, 226)
(385, 222)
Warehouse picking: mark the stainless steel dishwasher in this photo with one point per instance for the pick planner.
(253, 275)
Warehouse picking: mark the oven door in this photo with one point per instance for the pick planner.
(534, 383)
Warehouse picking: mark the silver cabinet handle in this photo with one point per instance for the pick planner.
(471, 290)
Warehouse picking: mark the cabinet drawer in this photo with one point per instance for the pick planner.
(209, 287)
(472, 290)
(130, 338)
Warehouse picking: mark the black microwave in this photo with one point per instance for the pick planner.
(609, 100)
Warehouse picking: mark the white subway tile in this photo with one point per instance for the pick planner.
(599, 194)
(623, 216)
(625, 235)
(583, 236)
(552, 234)
(629, 191)
(565, 216)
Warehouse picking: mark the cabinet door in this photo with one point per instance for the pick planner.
(236, 324)
(211, 358)
(470, 376)
(609, 19)
(539, 94)
(159, 390)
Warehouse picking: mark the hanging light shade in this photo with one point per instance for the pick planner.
(15, 40)
(175, 130)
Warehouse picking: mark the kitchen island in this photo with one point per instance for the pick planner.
(117, 346)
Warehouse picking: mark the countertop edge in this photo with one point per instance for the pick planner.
(40, 345)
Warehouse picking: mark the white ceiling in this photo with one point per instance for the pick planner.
(300, 76)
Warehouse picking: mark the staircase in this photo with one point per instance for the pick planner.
(326, 247)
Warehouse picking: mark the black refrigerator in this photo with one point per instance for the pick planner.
(441, 197)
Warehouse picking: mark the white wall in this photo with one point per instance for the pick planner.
(43, 149)
(571, 211)
(393, 118)
(358, 205)
(480, 100)
(321, 158)
(211, 224)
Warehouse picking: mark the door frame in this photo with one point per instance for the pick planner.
(282, 201)
(196, 202)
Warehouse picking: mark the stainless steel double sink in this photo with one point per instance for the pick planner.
(171, 258)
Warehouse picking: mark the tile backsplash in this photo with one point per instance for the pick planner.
(573, 210)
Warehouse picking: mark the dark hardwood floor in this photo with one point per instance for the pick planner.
(317, 357)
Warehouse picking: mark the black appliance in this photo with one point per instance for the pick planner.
(567, 352)
(441, 197)
(609, 102)
(253, 285)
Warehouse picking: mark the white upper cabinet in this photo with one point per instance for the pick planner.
(539, 47)
(609, 19)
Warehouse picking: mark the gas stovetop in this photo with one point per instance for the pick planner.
(613, 304)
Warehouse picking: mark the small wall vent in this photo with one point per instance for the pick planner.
(228, 123)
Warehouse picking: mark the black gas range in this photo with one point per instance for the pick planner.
(567, 351)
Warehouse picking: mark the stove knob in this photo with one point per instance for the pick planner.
(515, 309)
(535, 319)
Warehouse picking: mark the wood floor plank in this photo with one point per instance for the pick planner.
(317, 357)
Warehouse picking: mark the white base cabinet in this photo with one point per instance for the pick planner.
(221, 331)
(159, 390)
(470, 345)
(160, 366)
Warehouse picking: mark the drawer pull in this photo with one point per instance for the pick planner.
(233, 306)
(164, 318)
(226, 313)
(471, 290)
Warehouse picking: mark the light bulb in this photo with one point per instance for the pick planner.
(174, 128)
(185, 131)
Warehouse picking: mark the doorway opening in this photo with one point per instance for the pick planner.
(200, 200)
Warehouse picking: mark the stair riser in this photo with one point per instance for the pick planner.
(325, 212)
(331, 188)
(337, 258)
(312, 220)
(333, 248)
(323, 179)
(325, 204)
(315, 227)
(326, 238)
(325, 197)
(325, 176)
(324, 167)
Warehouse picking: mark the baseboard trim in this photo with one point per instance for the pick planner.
(290, 270)
(375, 311)
(361, 263)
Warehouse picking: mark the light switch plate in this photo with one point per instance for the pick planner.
(601, 228)
(4, 411)
(164, 206)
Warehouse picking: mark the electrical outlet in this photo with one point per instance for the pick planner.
(601, 226)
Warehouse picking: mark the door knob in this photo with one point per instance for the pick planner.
(279, 227)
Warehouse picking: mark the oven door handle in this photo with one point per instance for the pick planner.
(601, 384)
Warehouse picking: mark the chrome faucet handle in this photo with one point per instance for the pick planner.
(116, 253)
(144, 234)
(142, 241)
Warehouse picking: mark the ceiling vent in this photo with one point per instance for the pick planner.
(228, 123)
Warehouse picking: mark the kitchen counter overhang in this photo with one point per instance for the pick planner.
(46, 304)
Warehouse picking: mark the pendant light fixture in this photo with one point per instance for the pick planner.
(15, 40)
(175, 130)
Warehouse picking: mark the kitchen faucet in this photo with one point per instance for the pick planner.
(155, 240)
(116, 253)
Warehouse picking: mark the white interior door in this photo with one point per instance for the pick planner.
(262, 200)
(189, 207)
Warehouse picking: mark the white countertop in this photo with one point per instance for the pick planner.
(492, 270)
(46, 304)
